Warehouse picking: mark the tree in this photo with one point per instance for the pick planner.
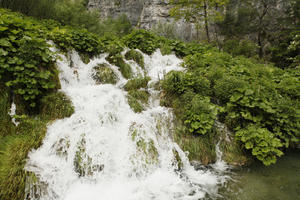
(196, 11)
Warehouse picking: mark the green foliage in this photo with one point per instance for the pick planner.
(26, 62)
(143, 40)
(14, 146)
(79, 39)
(14, 149)
(68, 12)
(137, 83)
(178, 82)
(56, 106)
(136, 56)
(6, 125)
(263, 144)
(200, 115)
(240, 92)
(200, 148)
(237, 47)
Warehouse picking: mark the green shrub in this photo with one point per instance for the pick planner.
(263, 144)
(178, 82)
(238, 47)
(248, 91)
(143, 40)
(79, 39)
(136, 56)
(200, 115)
(26, 61)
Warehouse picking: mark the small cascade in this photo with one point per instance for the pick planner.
(12, 113)
(106, 151)
(220, 165)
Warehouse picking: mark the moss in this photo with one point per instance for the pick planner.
(137, 83)
(136, 56)
(118, 61)
(104, 74)
(83, 164)
(178, 161)
(56, 106)
(137, 99)
(85, 58)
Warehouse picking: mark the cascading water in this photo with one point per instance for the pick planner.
(105, 151)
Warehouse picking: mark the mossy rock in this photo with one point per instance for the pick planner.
(136, 56)
(137, 100)
(85, 58)
(83, 164)
(118, 61)
(137, 83)
(104, 74)
(146, 148)
(178, 162)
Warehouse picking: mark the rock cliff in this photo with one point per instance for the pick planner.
(147, 14)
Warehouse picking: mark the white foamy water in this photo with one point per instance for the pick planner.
(12, 113)
(105, 151)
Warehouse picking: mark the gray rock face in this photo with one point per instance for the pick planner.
(147, 14)
(114, 8)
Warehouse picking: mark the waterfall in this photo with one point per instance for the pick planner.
(105, 151)
(12, 113)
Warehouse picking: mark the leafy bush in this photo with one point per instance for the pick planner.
(237, 47)
(27, 64)
(178, 82)
(263, 144)
(79, 39)
(249, 93)
(143, 40)
(200, 115)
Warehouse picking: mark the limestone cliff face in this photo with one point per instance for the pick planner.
(145, 14)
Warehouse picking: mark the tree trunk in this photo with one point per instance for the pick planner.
(206, 21)
(260, 53)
